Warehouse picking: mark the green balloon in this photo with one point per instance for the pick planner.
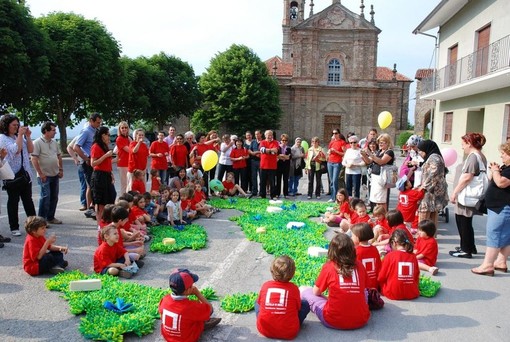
(305, 146)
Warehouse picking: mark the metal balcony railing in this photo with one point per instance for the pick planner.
(487, 60)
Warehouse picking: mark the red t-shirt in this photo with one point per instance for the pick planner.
(404, 228)
(228, 185)
(198, 197)
(155, 183)
(339, 146)
(399, 275)
(201, 149)
(135, 212)
(427, 247)
(384, 224)
(159, 163)
(106, 255)
(97, 152)
(179, 155)
(138, 160)
(408, 202)
(182, 320)
(355, 219)
(371, 260)
(279, 306)
(30, 251)
(344, 293)
(122, 156)
(269, 161)
(188, 205)
(138, 185)
(345, 208)
(236, 153)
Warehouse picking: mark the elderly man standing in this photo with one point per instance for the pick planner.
(47, 161)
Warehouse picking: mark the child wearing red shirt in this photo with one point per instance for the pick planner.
(367, 254)
(40, 255)
(231, 188)
(118, 216)
(400, 275)
(381, 226)
(396, 222)
(345, 279)
(199, 201)
(110, 257)
(239, 156)
(138, 183)
(155, 183)
(279, 308)
(408, 201)
(344, 208)
(426, 247)
(358, 216)
(183, 319)
(188, 209)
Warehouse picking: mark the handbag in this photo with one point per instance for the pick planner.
(21, 178)
(474, 192)
(389, 176)
(6, 171)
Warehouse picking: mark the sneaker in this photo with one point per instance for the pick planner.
(125, 274)
(331, 200)
(56, 270)
(458, 249)
(251, 196)
(65, 264)
(55, 221)
(140, 263)
(309, 197)
(318, 197)
(146, 238)
(211, 323)
(433, 270)
(88, 213)
(4, 239)
(16, 232)
(460, 254)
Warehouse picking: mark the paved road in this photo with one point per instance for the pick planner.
(467, 308)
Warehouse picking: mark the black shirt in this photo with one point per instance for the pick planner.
(376, 168)
(497, 198)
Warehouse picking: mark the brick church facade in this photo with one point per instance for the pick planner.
(328, 75)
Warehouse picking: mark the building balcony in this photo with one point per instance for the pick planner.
(484, 70)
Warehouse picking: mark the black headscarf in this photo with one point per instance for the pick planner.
(429, 147)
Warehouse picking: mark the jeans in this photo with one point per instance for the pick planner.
(353, 181)
(293, 185)
(162, 176)
(255, 170)
(83, 186)
(49, 197)
(334, 172)
(222, 169)
(13, 196)
(302, 313)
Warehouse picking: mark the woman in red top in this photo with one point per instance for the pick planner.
(102, 181)
(138, 155)
(159, 150)
(179, 154)
(122, 145)
(336, 150)
(239, 156)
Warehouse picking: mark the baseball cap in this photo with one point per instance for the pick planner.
(401, 183)
(181, 279)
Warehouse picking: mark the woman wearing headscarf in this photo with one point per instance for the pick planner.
(411, 167)
(433, 181)
(472, 144)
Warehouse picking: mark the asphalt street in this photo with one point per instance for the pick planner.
(467, 308)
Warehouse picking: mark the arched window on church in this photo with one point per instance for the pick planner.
(334, 72)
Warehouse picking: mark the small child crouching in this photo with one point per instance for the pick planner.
(359, 215)
(183, 319)
(279, 308)
(426, 247)
(188, 209)
(41, 255)
(231, 188)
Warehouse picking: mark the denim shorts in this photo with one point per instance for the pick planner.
(498, 228)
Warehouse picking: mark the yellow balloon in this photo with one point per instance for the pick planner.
(384, 119)
(209, 160)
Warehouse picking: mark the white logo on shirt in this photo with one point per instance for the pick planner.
(276, 299)
(171, 322)
(350, 286)
(403, 199)
(405, 270)
(369, 264)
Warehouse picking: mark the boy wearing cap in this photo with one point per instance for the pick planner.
(183, 319)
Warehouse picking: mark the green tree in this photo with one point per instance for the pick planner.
(23, 61)
(238, 93)
(85, 71)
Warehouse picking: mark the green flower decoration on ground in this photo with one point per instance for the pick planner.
(192, 236)
(239, 302)
(102, 324)
(428, 287)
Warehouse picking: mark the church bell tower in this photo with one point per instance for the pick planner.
(293, 14)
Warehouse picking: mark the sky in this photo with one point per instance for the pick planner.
(197, 30)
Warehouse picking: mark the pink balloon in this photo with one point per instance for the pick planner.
(449, 156)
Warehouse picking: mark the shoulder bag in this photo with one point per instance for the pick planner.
(474, 192)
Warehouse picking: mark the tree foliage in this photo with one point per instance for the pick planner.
(160, 89)
(238, 93)
(85, 70)
(23, 61)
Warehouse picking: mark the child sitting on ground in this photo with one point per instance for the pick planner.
(358, 216)
(133, 225)
(131, 242)
(111, 258)
(279, 308)
(138, 213)
(395, 221)
(426, 247)
(345, 279)
(399, 276)
(367, 254)
(199, 200)
(161, 202)
(150, 207)
(188, 209)
(344, 209)
(381, 226)
(105, 220)
(155, 182)
(41, 255)
(230, 187)
(174, 209)
(183, 319)
(408, 201)
(138, 183)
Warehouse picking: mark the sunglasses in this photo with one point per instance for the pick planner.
(336, 133)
